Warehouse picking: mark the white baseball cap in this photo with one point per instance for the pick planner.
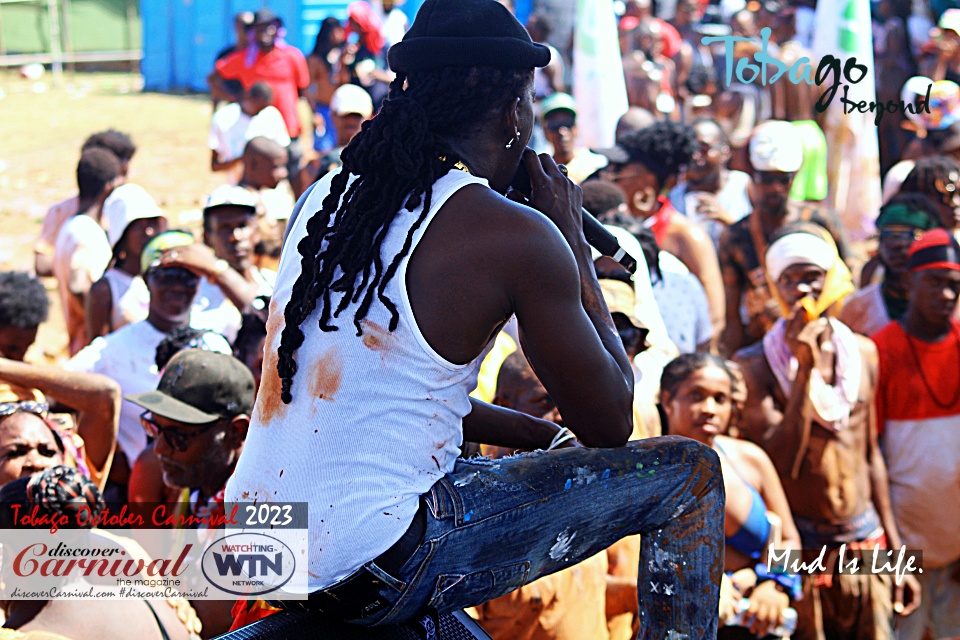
(776, 146)
(349, 98)
(127, 203)
(229, 195)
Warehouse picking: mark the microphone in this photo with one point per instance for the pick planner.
(593, 230)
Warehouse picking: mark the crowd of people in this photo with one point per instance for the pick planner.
(822, 374)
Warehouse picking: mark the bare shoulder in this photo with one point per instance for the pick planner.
(748, 452)
(489, 224)
(854, 305)
(691, 235)
(753, 362)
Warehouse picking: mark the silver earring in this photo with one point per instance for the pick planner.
(509, 144)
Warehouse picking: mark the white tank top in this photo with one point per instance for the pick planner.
(375, 420)
(130, 298)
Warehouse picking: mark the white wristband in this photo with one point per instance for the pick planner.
(563, 435)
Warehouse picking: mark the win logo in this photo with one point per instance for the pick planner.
(248, 564)
(257, 564)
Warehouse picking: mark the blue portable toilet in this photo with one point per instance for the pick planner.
(181, 38)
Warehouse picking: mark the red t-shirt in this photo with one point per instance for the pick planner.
(284, 69)
(921, 439)
(901, 393)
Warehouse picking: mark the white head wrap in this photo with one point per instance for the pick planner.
(799, 248)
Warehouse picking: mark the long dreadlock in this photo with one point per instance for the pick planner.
(396, 157)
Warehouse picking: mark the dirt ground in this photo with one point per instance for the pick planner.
(41, 130)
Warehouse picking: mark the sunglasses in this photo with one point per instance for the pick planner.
(900, 235)
(176, 440)
(29, 406)
(173, 276)
(774, 177)
(555, 125)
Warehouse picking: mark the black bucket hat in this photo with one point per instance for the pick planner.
(466, 33)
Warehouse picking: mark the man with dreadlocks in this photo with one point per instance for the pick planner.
(393, 284)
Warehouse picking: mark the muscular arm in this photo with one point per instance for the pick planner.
(572, 345)
(565, 328)
(95, 397)
(490, 424)
(99, 305)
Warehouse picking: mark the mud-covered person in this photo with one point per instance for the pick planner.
(810, 406)
(416, 258)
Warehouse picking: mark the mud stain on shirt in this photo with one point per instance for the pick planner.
(269, 405)
(325, 375)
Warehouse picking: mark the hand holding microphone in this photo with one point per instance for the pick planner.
(564, 198)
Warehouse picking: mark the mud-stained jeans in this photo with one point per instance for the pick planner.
(493, 526)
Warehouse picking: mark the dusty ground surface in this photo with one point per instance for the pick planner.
(41, 130)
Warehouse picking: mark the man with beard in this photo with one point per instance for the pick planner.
(197, 416)
(776, 155)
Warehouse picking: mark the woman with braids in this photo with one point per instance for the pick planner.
(646, 165)
(697, 402)
(392, 286)
(62, 491)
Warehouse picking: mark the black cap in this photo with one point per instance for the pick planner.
(265, 16)
(199, 387)
(466, 33)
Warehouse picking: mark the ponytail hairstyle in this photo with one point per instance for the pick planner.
(395, 158)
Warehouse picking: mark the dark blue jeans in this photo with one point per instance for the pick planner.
(496, 525)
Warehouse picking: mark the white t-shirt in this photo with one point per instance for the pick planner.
(81, 251)
(231, 129)
(56, 216)
(128, 356)
(129, 296)
(213, 310)
(734, 198)
(683, 304)
(374, 422)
